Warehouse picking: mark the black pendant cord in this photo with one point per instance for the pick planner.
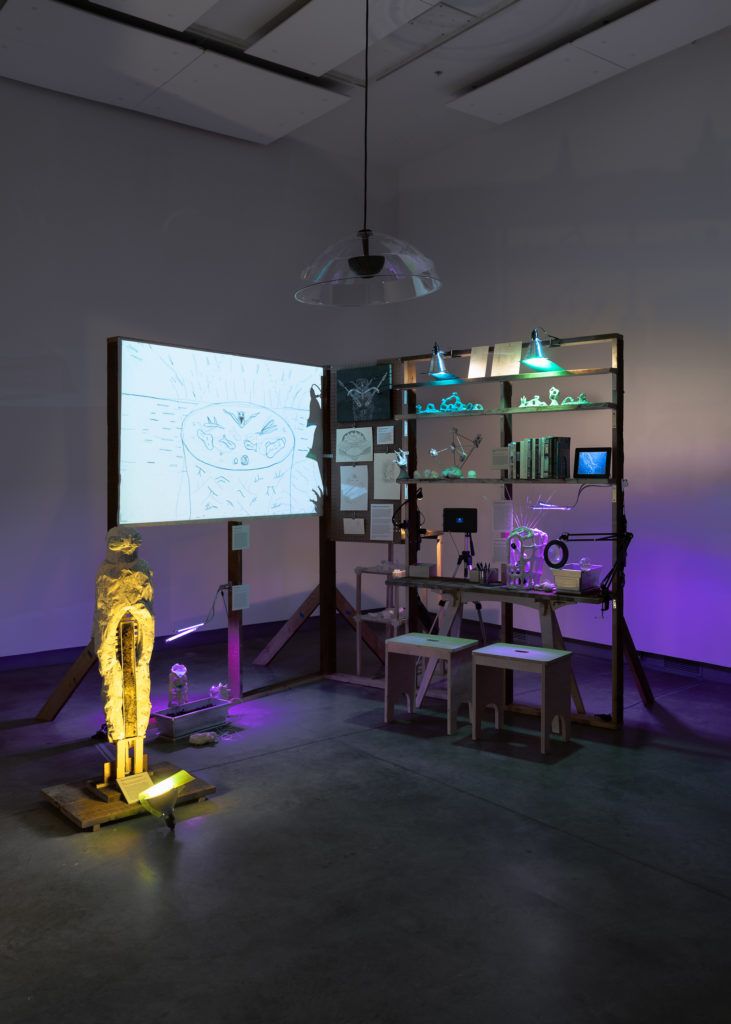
(365, 132)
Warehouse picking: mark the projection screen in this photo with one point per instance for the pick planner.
(206, 435)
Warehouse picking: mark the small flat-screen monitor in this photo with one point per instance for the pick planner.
(592, 462)
(459, 520)
(209, 435)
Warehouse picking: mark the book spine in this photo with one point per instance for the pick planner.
(563, 450)
(545, 457)
(536, 458)
(511, 460)
(524, 453)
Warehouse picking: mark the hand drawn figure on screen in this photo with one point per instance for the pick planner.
(362, 393)
(124, 634)
(239, 457)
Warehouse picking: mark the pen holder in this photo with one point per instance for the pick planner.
(484, 576)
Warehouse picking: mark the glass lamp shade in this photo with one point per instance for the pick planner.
(367, 269)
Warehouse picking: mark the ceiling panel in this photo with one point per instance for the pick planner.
(516, 34)
(226, 96)
(656, 29)
(58, 47)
(325, 33)
(178, 14)
(406, 43)
(237, 22)
(552, 77)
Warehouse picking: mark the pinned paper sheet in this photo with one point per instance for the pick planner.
(353, 488)
(354, 527)
(478, 361)
(502, 516)
(381, 522)
(384, 435)
(354, 444)
(500, 551)
(506, 359)
(385, 477)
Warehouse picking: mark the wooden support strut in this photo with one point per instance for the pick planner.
(298, 618)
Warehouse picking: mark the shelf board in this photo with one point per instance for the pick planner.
(535, 375)
(510, 411)
(505, 480)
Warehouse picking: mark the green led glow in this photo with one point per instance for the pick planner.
(541, 363)
(160, 789)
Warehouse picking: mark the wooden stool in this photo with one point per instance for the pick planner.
(489, 665)
(401, 671)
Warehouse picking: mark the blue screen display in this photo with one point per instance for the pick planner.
(592, 464)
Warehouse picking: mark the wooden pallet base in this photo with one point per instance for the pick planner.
(89, 813)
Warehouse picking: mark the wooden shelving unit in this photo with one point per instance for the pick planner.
(413, 368)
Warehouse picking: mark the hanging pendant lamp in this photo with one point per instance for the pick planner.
(367, 268)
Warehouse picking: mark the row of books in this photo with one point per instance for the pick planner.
(538, 458)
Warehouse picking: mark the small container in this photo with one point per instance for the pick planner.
(425, 569)
(576, 579)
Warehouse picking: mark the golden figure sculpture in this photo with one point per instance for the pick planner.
(124, 634)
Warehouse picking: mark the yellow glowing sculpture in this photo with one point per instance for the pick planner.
(124, 634)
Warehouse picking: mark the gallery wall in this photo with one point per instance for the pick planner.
(118, 224)
(611, 211)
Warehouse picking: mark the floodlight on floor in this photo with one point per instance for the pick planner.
(160, 798)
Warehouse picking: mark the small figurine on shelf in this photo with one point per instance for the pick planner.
(530, 403)
(177, 686)
(452, 472)
(451, 404)
(401, 458)
(553, 393)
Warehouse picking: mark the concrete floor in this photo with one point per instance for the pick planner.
(351, 873)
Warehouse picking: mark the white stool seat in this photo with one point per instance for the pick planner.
(489, 665)
(401, 671)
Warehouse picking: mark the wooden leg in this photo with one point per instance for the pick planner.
(478, 607)
(70, 682)
(121, 771)
(489, 690)
(445, 626)
(358, 623)
(476, 703)
(458, 693)
(370, 638)
(638, 669)
(551, 637)
(555, 701)
(235, 617)
(400, 682)
(288, 630)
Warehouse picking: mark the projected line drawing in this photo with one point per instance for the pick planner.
(213, 436)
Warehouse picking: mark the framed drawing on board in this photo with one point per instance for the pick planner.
(364, 393)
